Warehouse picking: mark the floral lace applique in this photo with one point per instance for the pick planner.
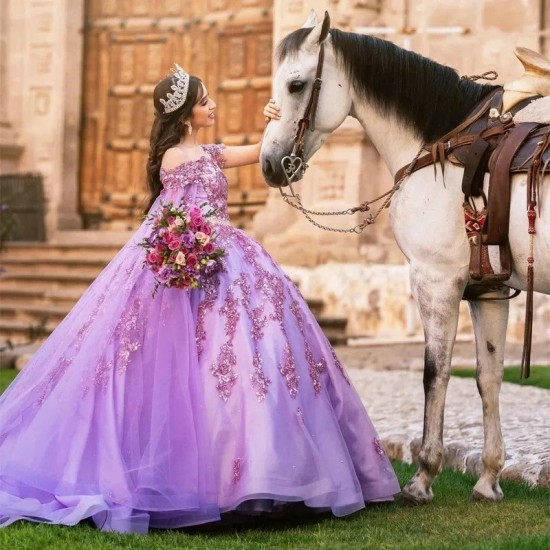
(81, 334)
(102, 374)
(129, 332)
(379, 448)
(339, 366)
(211, 290)
(288, 369)
(54, 377)
(231, 312)
(259, 380)
(259, 322)
(236, 471)
(224, 371)
(207, 172)
(315, 368)
(295, 309)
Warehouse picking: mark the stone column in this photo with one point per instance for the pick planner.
(73, 48)
(10, 146)
(45, 49)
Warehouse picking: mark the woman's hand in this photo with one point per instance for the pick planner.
(241, 155)
(271, 112)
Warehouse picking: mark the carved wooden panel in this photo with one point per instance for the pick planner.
(129, 47)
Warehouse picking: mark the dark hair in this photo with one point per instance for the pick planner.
(167, 129)
(431, 97)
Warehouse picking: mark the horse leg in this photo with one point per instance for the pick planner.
(490, 320)
(438, 300)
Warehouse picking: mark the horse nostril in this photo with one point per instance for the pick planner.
(268, 168)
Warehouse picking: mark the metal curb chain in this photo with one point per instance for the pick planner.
(363, 207)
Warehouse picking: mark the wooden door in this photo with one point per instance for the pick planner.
(129, 46)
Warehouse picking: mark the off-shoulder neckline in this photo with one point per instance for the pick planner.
(205, 155)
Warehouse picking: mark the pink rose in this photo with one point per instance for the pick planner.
(192, 260)
(194, 211)
(206, 229)
(174, 244)
(209, 247)
(153, 258)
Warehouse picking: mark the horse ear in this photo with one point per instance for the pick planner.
(325, 28)
(311, 20)
(320, 32)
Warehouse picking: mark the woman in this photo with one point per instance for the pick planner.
(172, 410)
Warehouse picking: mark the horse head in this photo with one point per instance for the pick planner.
(294, 83)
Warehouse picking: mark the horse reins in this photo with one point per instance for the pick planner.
(294, 165)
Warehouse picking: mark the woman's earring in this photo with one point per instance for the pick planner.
(189, 128)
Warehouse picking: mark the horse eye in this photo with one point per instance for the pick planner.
(296, 86)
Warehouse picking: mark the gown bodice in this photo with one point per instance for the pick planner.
(198, 181)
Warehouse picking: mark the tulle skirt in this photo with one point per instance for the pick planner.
(165, 412)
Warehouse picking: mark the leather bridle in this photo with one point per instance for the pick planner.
(294, 166)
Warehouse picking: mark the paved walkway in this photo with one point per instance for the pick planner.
(389, 380)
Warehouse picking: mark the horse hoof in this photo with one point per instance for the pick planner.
(482, 497)
(484, 492)
(415, 496)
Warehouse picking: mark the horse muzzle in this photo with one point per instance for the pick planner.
(281, 172)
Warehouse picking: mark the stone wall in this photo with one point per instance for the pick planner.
(377, 301)
(40, 69)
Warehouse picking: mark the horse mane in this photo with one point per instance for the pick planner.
(430, 97)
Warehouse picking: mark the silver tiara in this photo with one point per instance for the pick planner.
(177, 99)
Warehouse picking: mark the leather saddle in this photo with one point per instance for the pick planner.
(489, 141)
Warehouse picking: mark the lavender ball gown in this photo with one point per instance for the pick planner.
(165, 412)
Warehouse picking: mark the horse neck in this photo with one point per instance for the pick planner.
(396, 143)
(401, 98)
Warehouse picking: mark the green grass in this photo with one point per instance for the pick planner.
(540, 376)
(6, 377)
(521, 521)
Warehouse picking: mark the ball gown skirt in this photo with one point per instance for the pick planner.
(165, 412)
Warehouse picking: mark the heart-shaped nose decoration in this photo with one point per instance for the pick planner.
(293, 168)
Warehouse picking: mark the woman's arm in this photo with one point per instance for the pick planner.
(241, 155)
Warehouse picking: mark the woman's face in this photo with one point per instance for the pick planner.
(203, 114)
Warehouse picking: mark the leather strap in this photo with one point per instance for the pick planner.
(454, 143)
(498, 219)
(474, 168)
(308, 120)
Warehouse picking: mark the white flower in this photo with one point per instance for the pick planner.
(203, 238)
(179, 222)
(180, 258)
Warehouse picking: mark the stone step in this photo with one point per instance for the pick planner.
(91, 260)
(31, 312)
(52, 253)
(58, 269)
(24, 295)
(44, 281)
(316, 305)
(334, 329)
(20, 331)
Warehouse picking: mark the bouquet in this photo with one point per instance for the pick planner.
(181, 250)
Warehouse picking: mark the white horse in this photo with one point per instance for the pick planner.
(403, 101)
